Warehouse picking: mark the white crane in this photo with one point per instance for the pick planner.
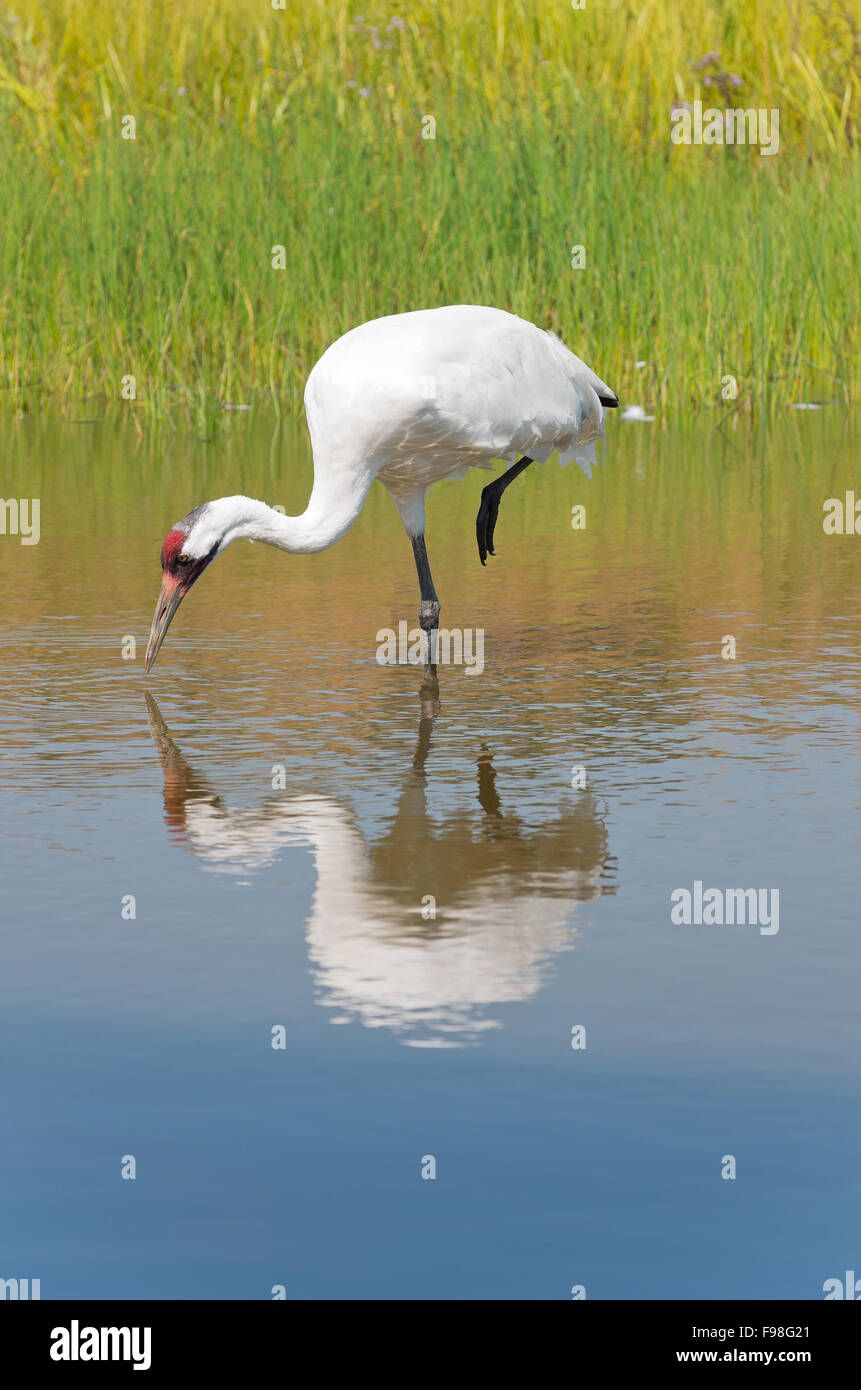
(409, 399)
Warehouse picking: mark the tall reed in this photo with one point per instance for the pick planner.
(455, 152)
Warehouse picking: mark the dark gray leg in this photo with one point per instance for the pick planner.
(485, 522)
(429, 612)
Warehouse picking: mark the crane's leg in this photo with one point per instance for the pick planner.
(485, 522)
(429, 612)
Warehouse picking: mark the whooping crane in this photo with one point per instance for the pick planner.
(409, 399)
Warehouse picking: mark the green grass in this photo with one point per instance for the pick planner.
(152, 257)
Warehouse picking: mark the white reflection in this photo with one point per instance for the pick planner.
(505, 893)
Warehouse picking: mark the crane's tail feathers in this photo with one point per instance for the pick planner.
(584, 456)
(581, 448)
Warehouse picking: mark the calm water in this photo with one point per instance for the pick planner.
(299, 905)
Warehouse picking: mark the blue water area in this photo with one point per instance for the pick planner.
(274, 840)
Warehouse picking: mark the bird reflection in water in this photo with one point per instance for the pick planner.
(504, 892)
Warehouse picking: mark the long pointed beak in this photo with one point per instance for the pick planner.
(169, 599)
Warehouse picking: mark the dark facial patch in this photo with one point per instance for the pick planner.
(185, 572)
(178, 535)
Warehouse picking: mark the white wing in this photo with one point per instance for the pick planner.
(427, 395)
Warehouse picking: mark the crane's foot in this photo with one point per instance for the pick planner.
(485, 522)
(429, 624)
(429, 695)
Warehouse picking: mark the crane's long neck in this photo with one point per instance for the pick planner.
(330, 513)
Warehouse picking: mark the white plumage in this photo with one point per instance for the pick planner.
(409, 399)
(424, 396)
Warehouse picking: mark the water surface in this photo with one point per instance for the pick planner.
(285, 812)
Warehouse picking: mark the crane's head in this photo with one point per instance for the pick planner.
(188, 548)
